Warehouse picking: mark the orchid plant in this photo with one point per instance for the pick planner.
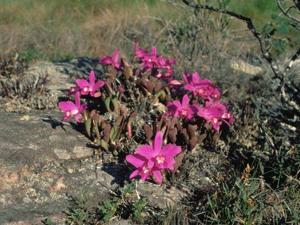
(174, 110)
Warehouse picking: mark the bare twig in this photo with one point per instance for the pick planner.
(259, 37)
(286, 12)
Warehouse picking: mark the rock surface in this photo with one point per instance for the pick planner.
(244, 67)
(43, 83)
(41, 165)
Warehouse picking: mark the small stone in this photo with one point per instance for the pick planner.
(70, 170)
(158, 196)
(242, 66)
(62, 154)
(58, 186)
(82, 152)
(12, 178)
(25, 118)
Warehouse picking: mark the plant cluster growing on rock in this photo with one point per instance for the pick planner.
(139, 101)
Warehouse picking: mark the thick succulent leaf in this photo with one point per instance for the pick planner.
(88, 126)
(103, 144)
(107, 103)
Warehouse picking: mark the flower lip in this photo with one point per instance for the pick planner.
(181, 109)
(90, 86)
(160, 159)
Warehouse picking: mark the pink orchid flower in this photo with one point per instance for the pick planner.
(150, 61)
(165, 69)
(113, 60)
(203, 88)
(215, 113)
(70, 109)
(181, 109)
(90, 87)
(160, 66)
(139, 52)
(150, 160)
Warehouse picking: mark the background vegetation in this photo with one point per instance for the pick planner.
(62, 29)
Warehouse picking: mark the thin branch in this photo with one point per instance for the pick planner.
(251, 27)
(287, 14)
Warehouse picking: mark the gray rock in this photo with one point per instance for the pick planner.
(244, 67)
(35, 165)
(41, 85)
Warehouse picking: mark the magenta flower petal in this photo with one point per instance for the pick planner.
(171, 150)
(170, 162)
(78, 117)
(195, 77)
(106, 60)
(154, 51)
(176, 103)
(157, 176)
(82, 83)
(66, 106)
(145, 151)
(185, 101)
(134, 174)
(92, 78)
(135, 160)
(150, 163)
(144, 176)
(77, 100)
(99, 84)
(158, 141)
(115, 58)
(112, 60)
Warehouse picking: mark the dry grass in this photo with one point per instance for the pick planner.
(56, 29)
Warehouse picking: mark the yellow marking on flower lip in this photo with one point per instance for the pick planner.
(184, 112)
(160, 159)
(226, 116)
(200, 91)
(74, 112)
(145, 170)
(215, 120)
(216, 96)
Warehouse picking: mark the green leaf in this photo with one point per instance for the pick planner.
(103, 144)
(107, 103)
(114, 133)
(116, 104)
(96, 129)
(88, 125)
